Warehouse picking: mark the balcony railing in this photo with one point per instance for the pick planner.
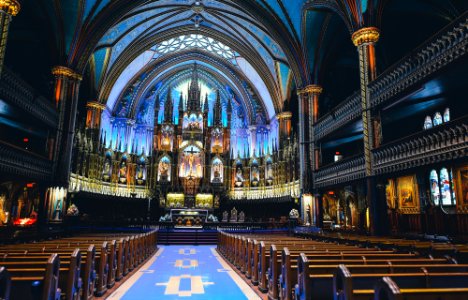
(445, 142)
(345, 170)
(345, 112)
(17, 161)
(16, 91)
(443, 48)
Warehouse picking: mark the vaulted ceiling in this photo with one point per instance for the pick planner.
(257, 50)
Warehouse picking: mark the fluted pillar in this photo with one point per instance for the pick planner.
(303, 129)
(93, 119)
(67, 83)
(314, 91)
(365, 39)
(284, 128)
(8, 9)
(253, 139)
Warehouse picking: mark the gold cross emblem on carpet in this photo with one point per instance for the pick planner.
(173, 285)
(186, 263)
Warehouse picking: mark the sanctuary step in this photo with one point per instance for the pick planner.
(187, 237)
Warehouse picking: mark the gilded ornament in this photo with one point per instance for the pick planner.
(310, 89)
(11, 7)
(65, 72)
(365, 35)
(284, 115)
(97, 105)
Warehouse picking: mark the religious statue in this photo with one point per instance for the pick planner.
(140, 174)
(190, 161)
(239, 177)
(163, 169)
(57, 215)
(107, 169)
(123, 172)
(216, 170)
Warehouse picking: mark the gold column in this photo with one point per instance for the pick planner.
(314, 91)
(303, 116)
(364, 39)
(93, 115)
(284, 120)
(8, 9)
(67, 83)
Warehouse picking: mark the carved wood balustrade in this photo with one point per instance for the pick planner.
(442, 49)
(346, 170)
(17, 161)
(345, 112)
(445, 142)
(16, 91)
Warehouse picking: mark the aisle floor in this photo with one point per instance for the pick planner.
(185, 272)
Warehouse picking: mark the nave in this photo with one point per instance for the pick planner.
(192, 272)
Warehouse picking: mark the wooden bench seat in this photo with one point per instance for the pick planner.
(70, 280)
(41, 283)
(276, 263)
(345, 282)
(387, 289)
(313, 277)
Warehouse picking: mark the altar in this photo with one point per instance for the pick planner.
(189, 218)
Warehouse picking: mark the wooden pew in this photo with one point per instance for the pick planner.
(345, 283)
(387, 289)
(70, 281)
(308, 270)
(289, 265)
(5, 283)
(275, 260)
(88, 272)
(44, 282)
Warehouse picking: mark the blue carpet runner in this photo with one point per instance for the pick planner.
(185, 272)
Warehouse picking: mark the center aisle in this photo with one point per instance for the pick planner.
(194, 272)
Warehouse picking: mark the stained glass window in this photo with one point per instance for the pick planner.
(434, 184)
(445, 188)
(447, 115)
(437, 119)
(428, 123)
(199, 41)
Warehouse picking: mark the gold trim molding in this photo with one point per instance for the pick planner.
(284, 115)
(365, 35)
(310, 89)
(11, 7)
(65, 72)
(97, 105)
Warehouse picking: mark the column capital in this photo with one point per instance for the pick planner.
(96, 105)
(365, 35)
(65, 72)
(11, 7)
(285, 115)
(310, 89)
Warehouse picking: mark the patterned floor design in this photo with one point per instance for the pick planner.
(185, 272)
